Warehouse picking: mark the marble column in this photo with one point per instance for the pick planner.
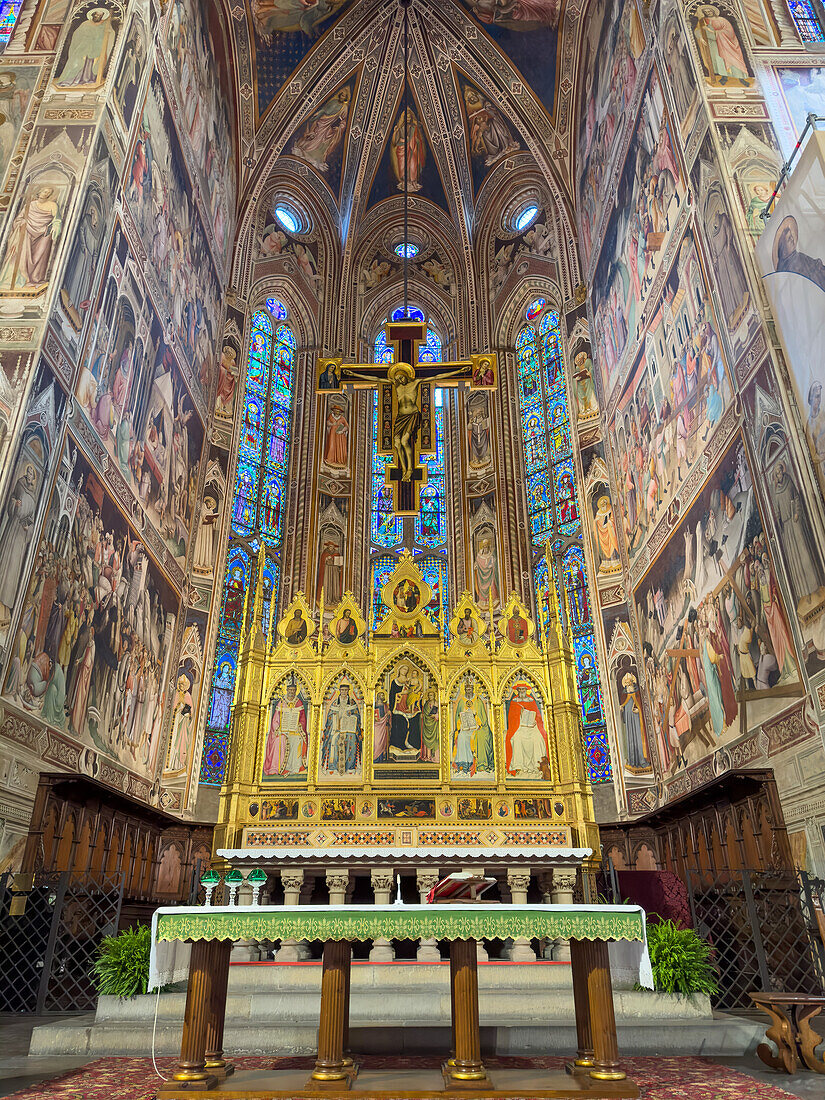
(381, 879)
(292, 880)
(246, 950)
(564, 883)
(481, 950)
(518, 879)
(337, 884)
(425, 879)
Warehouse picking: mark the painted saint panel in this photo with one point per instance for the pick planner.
(341, 743)
(714, 627)
(526, 747)
(755, 162)
(159, 193)
(681, 74)
(83, 62)
(130, 71)
(287, 735)
(472, 745)
(649, 194)
(721, 45)
(182, 747)
(673, 400)
(17, 84)
(92, 650)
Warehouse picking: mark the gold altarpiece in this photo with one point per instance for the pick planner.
(347, 737)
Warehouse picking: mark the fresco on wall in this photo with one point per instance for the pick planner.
(710, 190)
(92, 649)
(133, 394)
(489, 134)
(53, 20)
(321, 140)
(56, 157)
(159, 194)
(181, 747)
(721, 46)
(788, 496)
(649, 194)
(202, 87)
(713, 624)
(130, 72)
(17, 83)
(86, 245)
(791, 255)
(83, 63)
(673, 399)
(804, 92)
(679, 67)
(31, 467)
(755, 163)
(611, 53)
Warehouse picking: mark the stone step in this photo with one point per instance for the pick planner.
(724, 1036)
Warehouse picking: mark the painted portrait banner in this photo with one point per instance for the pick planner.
(790, 254)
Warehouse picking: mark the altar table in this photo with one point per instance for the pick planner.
(595, 1070)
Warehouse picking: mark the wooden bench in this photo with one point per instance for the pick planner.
(791, 1015)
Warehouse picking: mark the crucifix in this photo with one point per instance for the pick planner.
(406, 426)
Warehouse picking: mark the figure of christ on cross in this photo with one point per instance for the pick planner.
(405, 402)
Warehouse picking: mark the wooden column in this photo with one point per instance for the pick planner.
(453, 969)
(583, 1062)
(602, 1019)
(216, 1064)
(191, 1072)
(332, 1071)
(466, 1070)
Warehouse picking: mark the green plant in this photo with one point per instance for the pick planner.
(682, 961)
(122, 966)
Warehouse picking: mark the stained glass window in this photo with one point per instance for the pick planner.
(430, 525)
(806, 20)
(9, 11)
(553, 512)
(257, 512)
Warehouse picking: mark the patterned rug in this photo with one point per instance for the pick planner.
(658, 1078)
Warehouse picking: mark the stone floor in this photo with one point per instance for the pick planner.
(18, 1071)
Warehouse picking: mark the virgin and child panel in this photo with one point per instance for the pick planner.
(287, 736)
(406, 723)
(91, 654)
(472, 745)
(650, 192)
(674, 399)
(160, 195)
(132, 392)
(713, 624)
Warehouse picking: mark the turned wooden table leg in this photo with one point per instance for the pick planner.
(331, 1069)
(602, 1019)
(467, 1070)
(216, 1064)
(580, 966)
(191, 1072)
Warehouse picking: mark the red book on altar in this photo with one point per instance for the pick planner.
(460, 886)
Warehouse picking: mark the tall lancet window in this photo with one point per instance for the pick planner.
(9, 11)
(807, 20)
(553, 509)
(257, 511)
(426, 533)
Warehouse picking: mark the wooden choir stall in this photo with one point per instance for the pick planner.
(203, 1069)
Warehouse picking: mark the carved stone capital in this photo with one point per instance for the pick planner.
(381, 880)
(292, 880)
(518, 880)
(337, 881)
(426, 878)
(564, 879)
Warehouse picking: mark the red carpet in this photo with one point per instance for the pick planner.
(658, 1078)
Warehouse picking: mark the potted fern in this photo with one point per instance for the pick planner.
(122, 966)
(682, 961)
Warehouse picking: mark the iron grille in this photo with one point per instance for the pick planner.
(50, 928)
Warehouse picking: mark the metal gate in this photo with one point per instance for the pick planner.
(50, 928)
